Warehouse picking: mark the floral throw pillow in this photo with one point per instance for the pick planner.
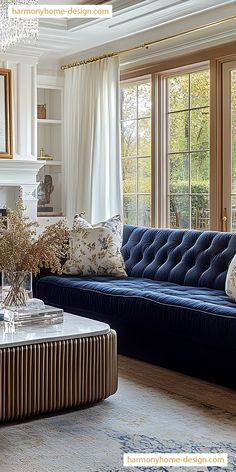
(96, 249)
(230, 283)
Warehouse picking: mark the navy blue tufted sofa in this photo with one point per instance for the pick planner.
(171, 309)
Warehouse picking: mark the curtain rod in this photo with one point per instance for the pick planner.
(147, 45)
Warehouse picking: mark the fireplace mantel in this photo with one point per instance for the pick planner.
(20, 173)
(17, 172)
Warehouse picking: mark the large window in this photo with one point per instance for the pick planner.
(188, 114)
(229, 146)
(183, 157)
(136, 151)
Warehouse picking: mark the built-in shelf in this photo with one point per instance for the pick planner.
(53, 214)
(49, 122)
(49, 137)
(50, 163)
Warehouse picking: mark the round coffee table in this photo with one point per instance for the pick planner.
(44, 369)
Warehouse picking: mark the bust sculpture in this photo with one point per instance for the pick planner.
(45, 190)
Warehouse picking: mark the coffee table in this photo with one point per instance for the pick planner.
(44, 369)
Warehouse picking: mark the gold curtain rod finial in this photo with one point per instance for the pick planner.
(148, 45)
(88, 61)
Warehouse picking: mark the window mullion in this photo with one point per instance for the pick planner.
(189, 147)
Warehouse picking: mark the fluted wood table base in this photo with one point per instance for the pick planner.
(45, 377)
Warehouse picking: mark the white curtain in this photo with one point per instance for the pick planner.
(92, 164)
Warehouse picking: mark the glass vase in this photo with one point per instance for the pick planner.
(16, 288)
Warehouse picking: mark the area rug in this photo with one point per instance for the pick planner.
(154, 410)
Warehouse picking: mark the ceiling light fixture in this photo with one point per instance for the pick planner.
(13, 30)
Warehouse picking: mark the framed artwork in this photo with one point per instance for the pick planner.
(5, 114)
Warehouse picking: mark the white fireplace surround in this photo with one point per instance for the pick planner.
(18, 174)
(21, 171)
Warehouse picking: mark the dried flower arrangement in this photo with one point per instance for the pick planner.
(23, 250)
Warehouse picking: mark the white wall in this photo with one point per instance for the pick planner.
(24, 75)
(21, 171)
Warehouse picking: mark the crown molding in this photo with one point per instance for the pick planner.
(179, 50)
(223, 33)
(134, 22)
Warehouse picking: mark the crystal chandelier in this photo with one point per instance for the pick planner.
(16, 30)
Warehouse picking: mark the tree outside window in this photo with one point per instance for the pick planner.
(136, 151)
(188, 160)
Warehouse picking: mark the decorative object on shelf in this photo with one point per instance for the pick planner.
(22, 251)
(43, 156)
(41, 112)
(45, 190)
(14, 31)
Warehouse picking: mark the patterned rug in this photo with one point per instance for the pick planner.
(155, 410)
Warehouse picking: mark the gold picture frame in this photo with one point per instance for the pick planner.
(5, 114)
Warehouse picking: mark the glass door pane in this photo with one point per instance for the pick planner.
(136, 151)
(229, 147)
(188, 144)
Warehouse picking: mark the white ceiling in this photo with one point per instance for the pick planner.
(133, 22)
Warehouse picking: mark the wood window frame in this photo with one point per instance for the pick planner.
(136, 80)
(217, 142)
(215, 56)
(163, 173)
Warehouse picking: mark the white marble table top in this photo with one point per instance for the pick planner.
(73, 326)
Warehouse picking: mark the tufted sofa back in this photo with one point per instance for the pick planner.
(185, 257)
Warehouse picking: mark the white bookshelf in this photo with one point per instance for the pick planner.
(49, 138)
(49, 122)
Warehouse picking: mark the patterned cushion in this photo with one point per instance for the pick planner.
(79, 222)
(96, 250)
(230, 283)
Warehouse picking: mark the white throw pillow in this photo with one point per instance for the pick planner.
(96, 250)
(79, 222)
(230, 283)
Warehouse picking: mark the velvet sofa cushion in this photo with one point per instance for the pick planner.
(200, 314)
(184, 257)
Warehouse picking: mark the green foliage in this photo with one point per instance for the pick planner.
(196, 187)
(136, 151)
(178, 93)
(200, 89)
(188, 130)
